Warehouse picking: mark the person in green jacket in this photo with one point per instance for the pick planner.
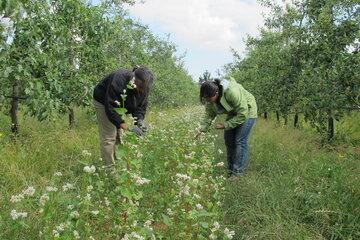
(231, 98)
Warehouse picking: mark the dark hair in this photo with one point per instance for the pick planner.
(209, 89)
(146, 76)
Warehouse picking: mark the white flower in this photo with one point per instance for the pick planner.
(15, 215)
(51, 189)
(43, 199)
(212, 236)
(77, 38)
(228, 233)
(90, 188)
(68, 186)
(74, 214)
(185, 190)
(70, 207)
(16, 198)
(91, 238)
(58, 174)
(183, 176)
(107, 202)
(61, 227)
(86, 153)
(141, 181)
(76, 63)
(199, 206)
(95, 212)
(76, 234)
(117, 103)
(56, 233)
(169, 211)
(90, 169)
(216, 225)
(87, 197)
(30, 191)
(220, 164)
(220, 151)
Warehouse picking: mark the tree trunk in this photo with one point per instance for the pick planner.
(296, 120)
(71, 117)
(14, 108)
(265, 115)
(330, 127)
(285, 120)
(277, 116)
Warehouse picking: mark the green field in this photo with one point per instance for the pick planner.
(294, 187)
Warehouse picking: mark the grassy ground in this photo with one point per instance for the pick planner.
(293, 189)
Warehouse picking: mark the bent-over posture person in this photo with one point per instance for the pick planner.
(113, 92)
(231, 98)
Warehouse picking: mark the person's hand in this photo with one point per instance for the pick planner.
(220, 126)
(138, 132)
(144, 127)
(123, 126)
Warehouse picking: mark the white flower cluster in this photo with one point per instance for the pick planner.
(89, 169)
(67, 187)
(140, 181)
(43, 199)
(228, 233)
(86, 153)
(133, 235)
(16, 215)
(30, 191)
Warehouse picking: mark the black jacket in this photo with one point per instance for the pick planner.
(109, 90)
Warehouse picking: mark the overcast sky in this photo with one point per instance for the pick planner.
(205, 29)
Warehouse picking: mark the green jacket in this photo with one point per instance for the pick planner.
(235, 101)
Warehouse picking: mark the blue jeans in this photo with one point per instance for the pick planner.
(236, 141)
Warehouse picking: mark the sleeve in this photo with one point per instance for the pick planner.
(237, 100)
(209, 116)
(112, 95)
(140, 111)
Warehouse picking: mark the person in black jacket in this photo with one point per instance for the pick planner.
(120, 89)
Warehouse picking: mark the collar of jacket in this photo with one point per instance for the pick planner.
(225, 84)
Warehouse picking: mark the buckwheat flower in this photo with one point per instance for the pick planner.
(228, 233)
(182, 176)
(141, 181)
(220, 164)
(87, 197)
(220, 151)
(86, 153)
(216, 226)
(107, 202)
(147, 224)
(199, 206)
(185, 190)
(51, 189)
(61, 227)
(16, 198)
(76, 234)
(137, 236)
(212, 236)
(90, 169)
(58, 174)
(43, 199)
(74, 214)
(90, 188)
(30, 191)
(70, 207)
(68, 186)
(56, 234)
(95, 212)
(16, 215)
(169, 211)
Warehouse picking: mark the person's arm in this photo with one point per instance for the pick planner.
(238, 102)
(209, 116)
(114, 89)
